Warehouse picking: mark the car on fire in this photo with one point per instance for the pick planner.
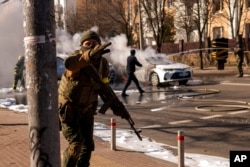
(160, 70)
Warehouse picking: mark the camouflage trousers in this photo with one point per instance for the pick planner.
(18, 78)
(77, 128)
(240, 63)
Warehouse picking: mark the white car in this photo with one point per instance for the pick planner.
(160, 70)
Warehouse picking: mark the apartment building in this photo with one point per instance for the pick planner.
(229, 18)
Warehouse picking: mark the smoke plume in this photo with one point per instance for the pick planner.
(12, 35)
(11, 39)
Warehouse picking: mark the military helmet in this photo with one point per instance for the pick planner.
(89, 35)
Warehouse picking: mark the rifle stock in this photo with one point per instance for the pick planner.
(111, 100)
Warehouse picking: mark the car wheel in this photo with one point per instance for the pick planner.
(183, 82)
(154, 79)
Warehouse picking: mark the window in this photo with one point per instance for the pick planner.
(247, 36)
(217, 5)
(189, 8)
(217, 32)
(247, 3)
(247, 30)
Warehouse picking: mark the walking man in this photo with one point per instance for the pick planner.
(78, 98)
(240, 53)
(132, 62)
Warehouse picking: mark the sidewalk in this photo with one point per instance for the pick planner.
(212, 70)
(14, 147)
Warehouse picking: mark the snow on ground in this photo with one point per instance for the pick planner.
(127, 139)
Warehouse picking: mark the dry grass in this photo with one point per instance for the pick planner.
(193, 59)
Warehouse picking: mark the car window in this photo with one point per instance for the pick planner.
(59, 62)
(159, 60)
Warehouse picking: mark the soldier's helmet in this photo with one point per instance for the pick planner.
(21, 57)
(89, 35)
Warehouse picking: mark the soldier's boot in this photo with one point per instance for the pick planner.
(68, 160)
(84, 160)
(241, 72)
(14, 85)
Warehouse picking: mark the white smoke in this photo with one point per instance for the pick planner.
(119, 50)
(66, 43)
(11, 39)
(12, 35)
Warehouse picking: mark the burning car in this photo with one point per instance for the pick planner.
(160, 70)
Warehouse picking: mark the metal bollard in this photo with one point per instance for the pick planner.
(180, 139)
(113, 134)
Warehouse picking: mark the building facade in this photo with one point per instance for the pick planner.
(217, 18)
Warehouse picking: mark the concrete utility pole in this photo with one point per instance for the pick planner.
(41, 82)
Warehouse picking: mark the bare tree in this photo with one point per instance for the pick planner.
(73, 21)
(123, 14)
(234, 15)
(160, 21)
(112, 17)
(228, 12)
(192, 17)
(185, 18)
(201, 15)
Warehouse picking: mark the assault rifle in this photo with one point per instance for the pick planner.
(110, 99)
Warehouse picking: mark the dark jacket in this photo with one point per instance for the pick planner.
(239, 52)
(19, 67)
(131, 63)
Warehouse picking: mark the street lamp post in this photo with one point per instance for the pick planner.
(140, 26)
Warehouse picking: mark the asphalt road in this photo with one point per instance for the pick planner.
(213, 113)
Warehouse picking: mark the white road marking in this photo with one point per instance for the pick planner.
(179, 122)
(211, 116)
(238, 112)
(150, 126)
(158, 109)
(241, 84)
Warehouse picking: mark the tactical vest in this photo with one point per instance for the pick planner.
(81, 91)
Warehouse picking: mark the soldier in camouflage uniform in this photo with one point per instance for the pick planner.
(19, 74)
(78, 98)
(240, 53)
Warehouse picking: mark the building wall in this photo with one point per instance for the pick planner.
(219, 20)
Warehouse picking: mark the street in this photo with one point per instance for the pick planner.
(214, 114)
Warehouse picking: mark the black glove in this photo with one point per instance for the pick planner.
(96, 52)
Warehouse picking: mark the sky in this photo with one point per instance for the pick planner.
(125, 138)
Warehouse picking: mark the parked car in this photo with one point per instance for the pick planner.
(60, 70)
(160, 70)
(59, 67)
(112, 74)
